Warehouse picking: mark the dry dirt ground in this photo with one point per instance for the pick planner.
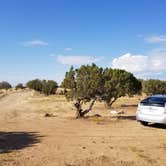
(28, 138)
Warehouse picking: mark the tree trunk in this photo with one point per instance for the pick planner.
(78, 109)
(111, 102)
(80, 113)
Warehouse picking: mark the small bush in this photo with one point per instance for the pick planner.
(49, 87)
(20, 86)
(154, 86)
(46, 87)
(5, 85)
(35, 85)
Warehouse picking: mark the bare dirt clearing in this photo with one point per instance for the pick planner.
(30, 139)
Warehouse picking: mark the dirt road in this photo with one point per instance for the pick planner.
(28, 140)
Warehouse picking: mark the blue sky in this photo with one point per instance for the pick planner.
(43, 38)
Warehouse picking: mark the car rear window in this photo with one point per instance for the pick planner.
(154, 101)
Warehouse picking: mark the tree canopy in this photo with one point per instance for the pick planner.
(153, 86)
(46, 87)
(49, 87)
(19, 86)
(118, 83)
(35, 85)
(5, 85)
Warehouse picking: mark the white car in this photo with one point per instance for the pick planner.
(152, 110)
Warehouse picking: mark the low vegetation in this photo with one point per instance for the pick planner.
(46, 87)
(154, 86)
(20, 86)
(5, 85)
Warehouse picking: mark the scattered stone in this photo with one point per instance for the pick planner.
(114, 112)
(97, 115)
(49, 115)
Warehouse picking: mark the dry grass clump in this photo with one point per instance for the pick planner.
(2, 93)
(49, 105)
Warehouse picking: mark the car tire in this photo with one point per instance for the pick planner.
(144, 123)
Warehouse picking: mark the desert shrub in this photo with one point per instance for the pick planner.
(35, 85)
(49, 87)
(153, 86)
(5, 85)
(19, 86)
(46, 87)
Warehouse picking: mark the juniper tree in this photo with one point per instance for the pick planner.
(89, 83)
(19, 86)
(5, 85)
(49, 87)
(35, 85)
(153, 86)
(46, 87)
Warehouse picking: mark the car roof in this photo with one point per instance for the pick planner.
(159, 95)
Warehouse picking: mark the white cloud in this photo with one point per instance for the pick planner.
(34, 43)
(68, 49)
(153, 64)
(156, 39)
(76, 59)
(129, 62)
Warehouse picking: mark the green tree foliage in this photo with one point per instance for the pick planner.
(118, 83)
(46, 87)
(153, 86)
(90, 82)
(19, 86)
(35, 85)
(49, 87)
(69, 80)
(5, 85)
(69, 83)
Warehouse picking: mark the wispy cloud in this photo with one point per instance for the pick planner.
(34, 43)
(156, 39)
(76, 59)
(68, 49)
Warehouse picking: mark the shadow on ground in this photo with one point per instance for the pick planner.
(129, 105)
(17, 140)
(159, 126)
(127, 117)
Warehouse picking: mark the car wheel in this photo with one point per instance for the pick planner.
(144, 123)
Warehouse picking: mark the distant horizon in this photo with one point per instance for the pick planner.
(59, 83)
(42, 39)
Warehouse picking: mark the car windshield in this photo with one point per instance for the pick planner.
(154, 101)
